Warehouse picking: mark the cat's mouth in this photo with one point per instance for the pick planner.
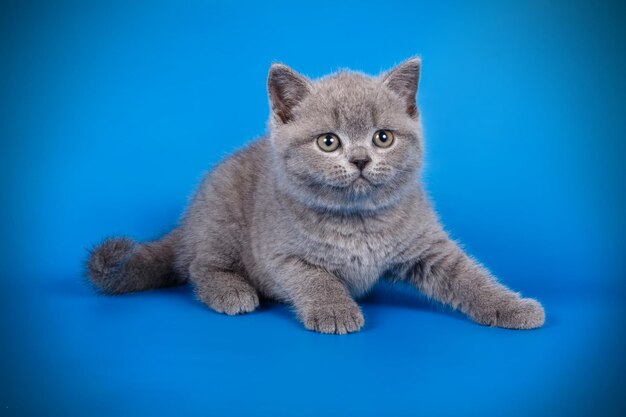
(361, 185)
(361, 177)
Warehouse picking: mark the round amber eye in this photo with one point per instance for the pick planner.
(383, 138)
(328, 142)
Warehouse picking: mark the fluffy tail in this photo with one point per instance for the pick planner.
(120, 265)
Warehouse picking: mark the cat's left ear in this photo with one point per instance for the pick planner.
(403, 81)
(286, 89)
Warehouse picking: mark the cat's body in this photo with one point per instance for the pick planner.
(262, 224)
(315, 224)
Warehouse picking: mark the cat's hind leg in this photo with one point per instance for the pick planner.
(224, 291)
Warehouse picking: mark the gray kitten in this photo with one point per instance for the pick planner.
(315, 213)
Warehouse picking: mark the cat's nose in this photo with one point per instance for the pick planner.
(361, 162)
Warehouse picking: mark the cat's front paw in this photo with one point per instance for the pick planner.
(516, 313)
(334, 318)
(231, 299)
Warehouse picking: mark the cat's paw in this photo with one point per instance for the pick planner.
(231, 300)
(517, 313)
(334, 318)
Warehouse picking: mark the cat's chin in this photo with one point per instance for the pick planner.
(361, 186)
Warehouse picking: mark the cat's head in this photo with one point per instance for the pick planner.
(347, 141)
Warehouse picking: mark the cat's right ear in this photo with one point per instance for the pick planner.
(403, 81)
(286, 89)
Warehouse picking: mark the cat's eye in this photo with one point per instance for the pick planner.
(328, 142)
(383, 138)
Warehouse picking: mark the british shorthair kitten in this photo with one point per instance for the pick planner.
(316, 212)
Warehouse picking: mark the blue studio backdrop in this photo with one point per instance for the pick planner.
(111, 111)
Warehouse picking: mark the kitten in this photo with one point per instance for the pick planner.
(316, 212)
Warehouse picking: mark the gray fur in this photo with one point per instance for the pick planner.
(287, 221)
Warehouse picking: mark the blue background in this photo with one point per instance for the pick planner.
(111, 111)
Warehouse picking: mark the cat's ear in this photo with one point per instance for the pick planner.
(403, 81)
(286, 89)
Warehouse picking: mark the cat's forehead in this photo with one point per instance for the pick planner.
(349, 100)
(348, 85)
(347, 91)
